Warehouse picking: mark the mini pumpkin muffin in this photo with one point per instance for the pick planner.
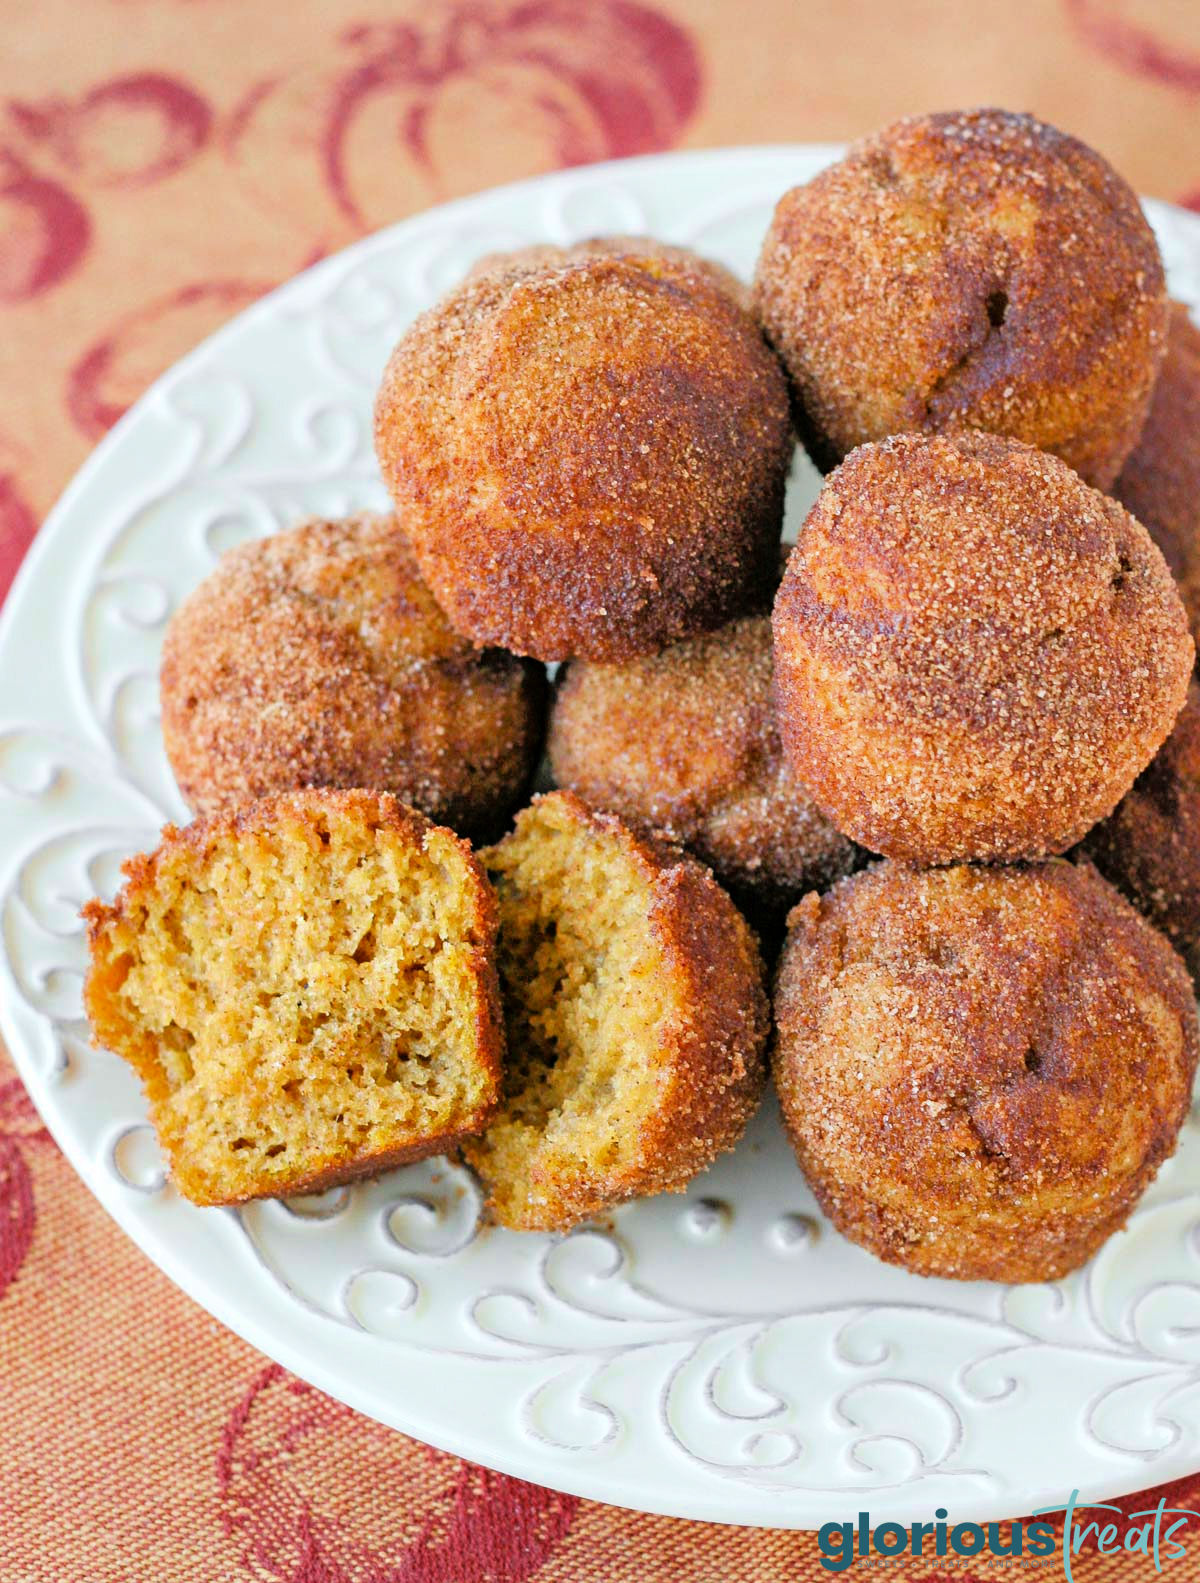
(306, 987)
(968, 269)
(1160, 483)
(975, 653)
(588, 454)
(1150, 846)
(636, 1019)
(981, 1069)
(686, 742)
(318, 656)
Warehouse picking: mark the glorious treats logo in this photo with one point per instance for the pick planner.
(1159, 1534)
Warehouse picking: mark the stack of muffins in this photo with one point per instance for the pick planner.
(910, 756)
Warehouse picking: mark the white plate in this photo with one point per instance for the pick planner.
(718, 1355)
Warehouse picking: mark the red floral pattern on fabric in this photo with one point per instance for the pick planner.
(44, 231)
(1134, 37)
(426, 100)
(318, 1494)
(18, 524)
(20, 1126)
(114, 371)
(127, 132)
(162, 162)
(634, 77)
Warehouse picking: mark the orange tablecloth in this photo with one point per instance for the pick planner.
(161, 163)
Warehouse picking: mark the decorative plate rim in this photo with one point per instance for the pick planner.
(301, 1335)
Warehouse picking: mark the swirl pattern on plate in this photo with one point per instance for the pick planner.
(721, 1355)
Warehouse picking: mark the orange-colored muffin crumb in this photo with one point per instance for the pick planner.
(588, 456)
(306, 988)
(636, 1019)
(975, 653)
(981, 1069)
(968, 269)
(318, 657)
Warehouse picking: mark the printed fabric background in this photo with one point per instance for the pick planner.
(162, 162)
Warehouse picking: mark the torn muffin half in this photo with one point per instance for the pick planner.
(636, 1018)
(307, 989)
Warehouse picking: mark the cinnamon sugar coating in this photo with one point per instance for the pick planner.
(686, 742)
(318, 656)
(968, 269)
(588, 455)
(975, 653)
(1160, 483)
(981, 1069)
(666, 255)
(1150, 846)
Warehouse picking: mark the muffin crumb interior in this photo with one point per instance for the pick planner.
(587, 995)
(297, 995)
